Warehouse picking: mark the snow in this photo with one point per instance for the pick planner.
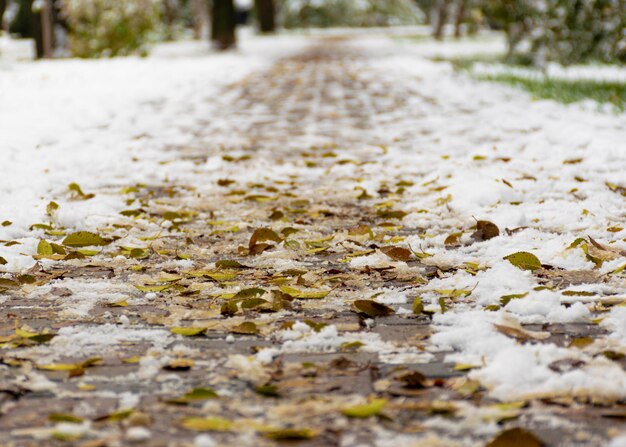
(605, 73)
(108, 124)
(104, 124)
(616, 323)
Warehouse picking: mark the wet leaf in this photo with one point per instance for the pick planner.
(229, 308)
(485, 230)
(304, 294)
(252, 292)
(122, 303)
(245, 328)
(37, 337)
(391, 214)
(77, 192)
(154, 288)
(453, 239)
(580, 342)
(44, 248)
(511, 327)
(208, 424)
(228, 264)
(397, 253)
(3, 261)
(361, 230)
(351, 346)
(372, 309)
(413, 380)
(253, 303)
(372, 408)
(524, 260)
(65, 417)
(188, 331)
(418, 307)
(85, 239)
(263, 235)
(116, 416)
(6, 283)
(504, 300)
(267, 390)
(195, 395)
(515, 437)
(290, 434)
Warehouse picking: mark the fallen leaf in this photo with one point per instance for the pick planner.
(485, 230)
(372, 309)
(195, 395)
(515, 437)
(524, 260)
(208, 424)
(290, 434)
(511, 327)
(372, 408)
(188, 331)
(263, 235)
(245, 328)
(397, 253)
(304, 294)
(84, 239)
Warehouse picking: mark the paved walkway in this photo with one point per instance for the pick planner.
(292, 286)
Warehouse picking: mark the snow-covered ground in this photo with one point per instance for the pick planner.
(465, 150)
(599, 73)
(104, 123)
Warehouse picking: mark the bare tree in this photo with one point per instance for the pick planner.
(266, 15)
(223, 23)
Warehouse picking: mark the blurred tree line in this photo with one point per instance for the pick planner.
(567, 31)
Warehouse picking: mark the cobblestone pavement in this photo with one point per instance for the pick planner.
(270, 297)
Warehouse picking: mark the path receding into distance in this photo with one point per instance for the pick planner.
(322, 260)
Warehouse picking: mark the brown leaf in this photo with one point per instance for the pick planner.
(453, 240)
(245, 328)
(509, 326)
(397, 253)
(259, 248)
(372, 309)
(515, 437)
(485, 230)
(263, 235)
(414, 380)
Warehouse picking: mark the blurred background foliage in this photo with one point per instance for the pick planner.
(537, 31)
(348, 13)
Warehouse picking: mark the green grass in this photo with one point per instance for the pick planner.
(566, 91)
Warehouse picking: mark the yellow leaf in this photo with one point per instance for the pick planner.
(208, 424)
(304, 295)
(188, 331)
(372, 408)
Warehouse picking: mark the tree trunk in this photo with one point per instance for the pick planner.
(441, 11)
(47, 29)
(223, 23)
(35, 30)
(266, 15)
(3, 7)
(199, 17)
(460, 17)
(171, 10)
